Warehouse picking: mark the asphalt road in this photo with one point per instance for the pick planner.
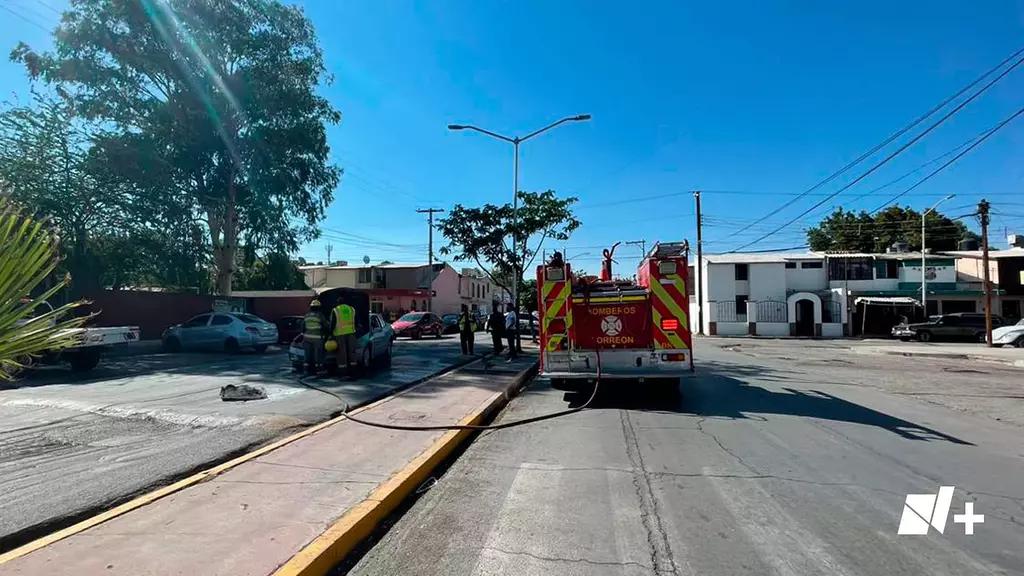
(786, 457)
(72, 444)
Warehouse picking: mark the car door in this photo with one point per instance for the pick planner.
(193, 332)
(219, 331)
(378, 336)
(948, 327)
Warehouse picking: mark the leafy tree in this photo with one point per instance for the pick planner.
(29, 254)
(528, 294)
(844, 231)
(48, 158)
(485, 234)
(275, 272)
(215, 110)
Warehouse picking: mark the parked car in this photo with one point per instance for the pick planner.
(229, 331)
(288, 328)
(958, 326)
(1012, 335)
(415, 325)
(374, 347)
(451, 323)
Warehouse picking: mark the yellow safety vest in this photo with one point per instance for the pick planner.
(462, 322)
(313, 326)
(344, 320)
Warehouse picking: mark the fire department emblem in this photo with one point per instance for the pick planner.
(611, 325)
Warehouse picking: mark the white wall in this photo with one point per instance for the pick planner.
(719, 286)
(767, 281)
(831, 330)
(773, 329)
(810, 279)
(732, 328)
(912, 272)
(861, 285)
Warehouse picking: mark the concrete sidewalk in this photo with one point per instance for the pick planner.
(293, 499)
(1006, 355)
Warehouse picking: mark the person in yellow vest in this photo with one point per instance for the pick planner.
(343, 329)
(313, 332)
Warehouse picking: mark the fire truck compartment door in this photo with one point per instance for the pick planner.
(612, 325)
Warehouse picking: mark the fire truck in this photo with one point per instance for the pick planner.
(637, 328)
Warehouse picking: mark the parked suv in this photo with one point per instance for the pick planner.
(959, 326)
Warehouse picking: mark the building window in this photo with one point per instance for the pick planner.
(365, 275)
(742, 272)
(850, 269)
(790, 265)
(887, 269)
(811, 264)
(741, 307)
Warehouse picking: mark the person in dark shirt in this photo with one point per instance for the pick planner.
(496, 322)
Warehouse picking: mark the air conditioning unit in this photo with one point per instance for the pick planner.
(1015, 240)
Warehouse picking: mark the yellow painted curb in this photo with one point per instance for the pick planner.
(331, 547)
(196, 478)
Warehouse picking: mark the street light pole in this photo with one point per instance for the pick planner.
(924, 277)
(516, 141)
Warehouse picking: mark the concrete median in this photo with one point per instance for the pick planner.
(295, 507)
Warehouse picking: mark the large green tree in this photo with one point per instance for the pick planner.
(846, 231)
(484, 235)
(215, 108)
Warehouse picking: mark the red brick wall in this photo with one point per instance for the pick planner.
(151, 311)
(272, 309)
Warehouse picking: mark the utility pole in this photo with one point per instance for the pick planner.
(330, 248)
(430, 254)
(699, 269)
(983, 216)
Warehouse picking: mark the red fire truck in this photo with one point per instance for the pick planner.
(634, 329)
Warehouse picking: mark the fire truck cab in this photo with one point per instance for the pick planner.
(634, 328)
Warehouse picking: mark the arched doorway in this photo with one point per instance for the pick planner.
(804, 317)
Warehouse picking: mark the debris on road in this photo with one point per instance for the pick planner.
(242, 393)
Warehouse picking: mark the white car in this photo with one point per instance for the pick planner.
(1009, 335)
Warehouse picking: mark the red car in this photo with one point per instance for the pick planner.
(415, 325)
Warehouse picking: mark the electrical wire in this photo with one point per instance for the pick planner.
(475, 427)
(896, 135)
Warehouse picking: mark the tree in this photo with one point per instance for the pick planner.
(844, 231)
(275, 272)
(484, 234)
(48, 159)
(29, 254)
(215, 108)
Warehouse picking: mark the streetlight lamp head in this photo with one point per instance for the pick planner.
(456, 127)
(581, 117)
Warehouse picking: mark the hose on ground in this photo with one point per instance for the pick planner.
(475, 427)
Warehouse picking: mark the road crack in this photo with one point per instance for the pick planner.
(568, 560)
(661, 553)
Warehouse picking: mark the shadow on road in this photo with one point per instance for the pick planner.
(724, 392)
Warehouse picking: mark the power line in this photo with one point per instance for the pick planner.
(896, 135)
(899, 150)
(24, 18)
(994, 129)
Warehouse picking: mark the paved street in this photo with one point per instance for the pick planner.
(781, 457)
(70, 444)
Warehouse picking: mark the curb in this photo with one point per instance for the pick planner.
(330, 548)
(945, 356)
(204, 475)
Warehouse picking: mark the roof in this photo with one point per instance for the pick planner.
(892, 300)
(993, 254)
(760, 257)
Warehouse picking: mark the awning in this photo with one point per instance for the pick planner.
(887, 300)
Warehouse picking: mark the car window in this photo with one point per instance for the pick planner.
(412, 317)
(198, 321)
(249, 318)
(376, 322)
(950, 321)
(220, 320)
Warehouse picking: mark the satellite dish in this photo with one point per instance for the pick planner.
(366, 259)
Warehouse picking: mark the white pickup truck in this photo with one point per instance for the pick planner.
(86, 355)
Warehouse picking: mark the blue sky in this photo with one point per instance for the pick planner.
(757, 99)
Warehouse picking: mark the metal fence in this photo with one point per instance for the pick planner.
(726, 312)
(772, 311)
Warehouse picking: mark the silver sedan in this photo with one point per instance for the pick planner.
(229, 331)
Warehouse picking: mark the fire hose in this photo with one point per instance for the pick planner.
(478, 427)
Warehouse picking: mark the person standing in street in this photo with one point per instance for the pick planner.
(343, 329)
(313, 330)
(511, 328)
(466, 335)
(496, 324)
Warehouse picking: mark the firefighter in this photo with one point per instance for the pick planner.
(314, 325)
(343, 329)
(496, 324)
(466, 335)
